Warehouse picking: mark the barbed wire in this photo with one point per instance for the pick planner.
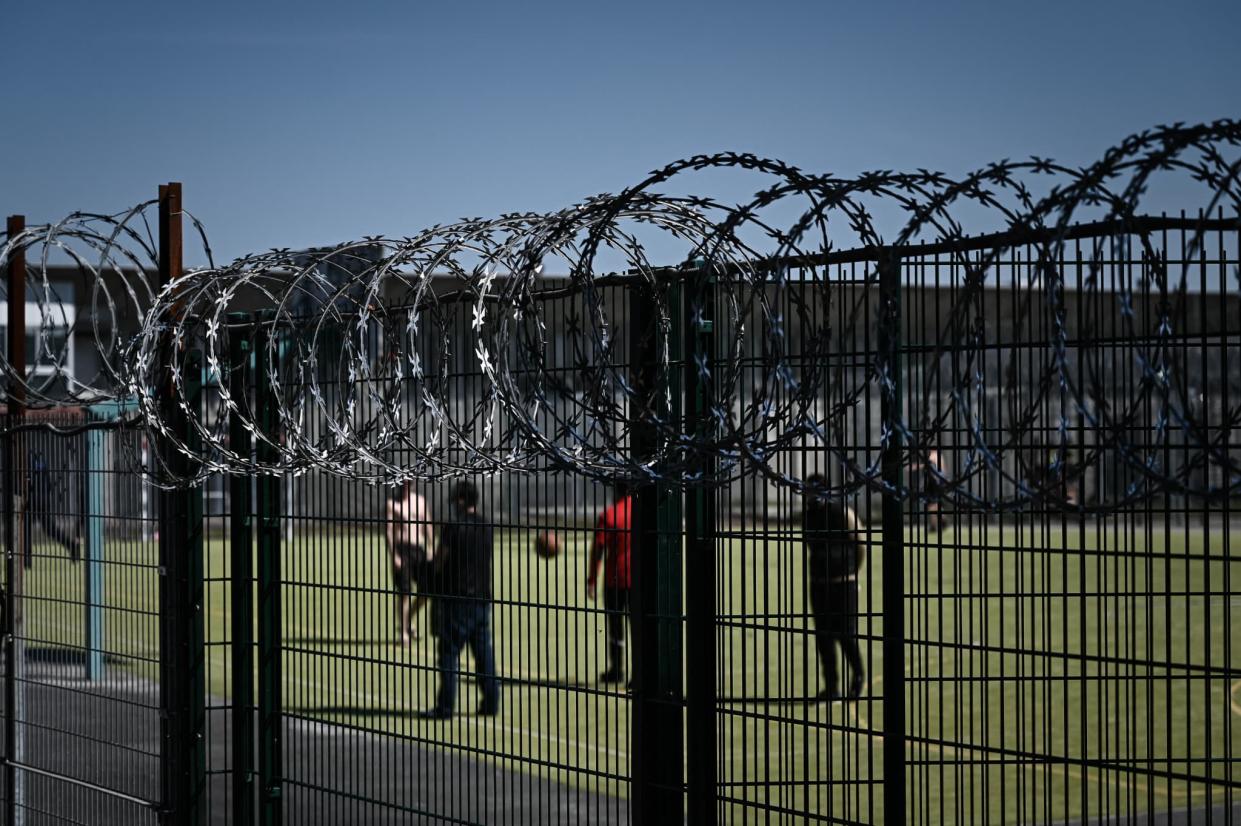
(115, 257)
(370, 377)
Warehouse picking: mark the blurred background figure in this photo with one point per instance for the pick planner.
(42, 500)
(411, 546)
(835, 551)
(611, 547)
(932, 487)
(463, 598)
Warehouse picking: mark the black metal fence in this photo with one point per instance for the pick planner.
(1045, 635)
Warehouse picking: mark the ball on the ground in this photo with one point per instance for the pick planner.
(546, 544)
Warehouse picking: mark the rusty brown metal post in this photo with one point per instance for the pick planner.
(182, 684)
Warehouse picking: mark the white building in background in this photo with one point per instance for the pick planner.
(52, 339)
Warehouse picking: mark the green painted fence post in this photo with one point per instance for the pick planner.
(702, 754)
(269, 628)
(657, 763)
(183, 696)
(241, 572)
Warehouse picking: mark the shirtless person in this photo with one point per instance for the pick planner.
(410, 544)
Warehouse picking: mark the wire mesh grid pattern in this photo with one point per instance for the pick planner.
(1059, 665)
(988, 578)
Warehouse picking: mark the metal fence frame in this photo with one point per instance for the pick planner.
(677, 658)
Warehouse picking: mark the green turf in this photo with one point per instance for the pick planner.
(1049, 611)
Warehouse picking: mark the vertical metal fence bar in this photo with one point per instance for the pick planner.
(11, 573)
(657, 787)
(893, 563)
(96, 475)
(182, 677)
(13, 504)
(182, 651)
(190, 540)
(700, 586)
(169, 712)
(241, 576)
(269, 625)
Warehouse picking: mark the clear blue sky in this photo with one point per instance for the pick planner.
(296, 124)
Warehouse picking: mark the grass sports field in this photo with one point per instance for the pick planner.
(1081, 633)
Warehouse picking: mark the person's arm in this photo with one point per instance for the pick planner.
(425, 531)
(390, 529)
(858, 533)
(443, 558)
(597, 547)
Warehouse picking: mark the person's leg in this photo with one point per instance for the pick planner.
(615, 603)
(823, 640)
(847, 624)
(403, 619)
(626, 628)
(56, 533)
(485, 660)
(419, 603)
(400, 583)
(451, 641)
(422, 580)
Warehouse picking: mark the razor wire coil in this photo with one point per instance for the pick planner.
(364, 364)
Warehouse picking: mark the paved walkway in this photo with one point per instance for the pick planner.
(108, 734)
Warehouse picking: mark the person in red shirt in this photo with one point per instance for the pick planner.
(611, 547)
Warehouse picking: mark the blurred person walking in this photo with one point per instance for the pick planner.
(835, 552)
(462, 609)
(611, 547)
(411, 548)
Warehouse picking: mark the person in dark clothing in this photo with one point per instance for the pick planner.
(463, 590)
(42, 497)
(834, 556)
(931, 486)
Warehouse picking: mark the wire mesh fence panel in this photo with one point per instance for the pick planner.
(937, 532)
(799, 614)
(84, 675)
(449, 658)
(1073, 660)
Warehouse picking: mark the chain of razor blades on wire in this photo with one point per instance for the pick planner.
(505, 345)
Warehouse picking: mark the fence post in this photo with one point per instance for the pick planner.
(14, 463)
(893, 563)
(241, 573)
(700, 587)
(182, 678)
(269, 631)
(657, 756)
(96, 475)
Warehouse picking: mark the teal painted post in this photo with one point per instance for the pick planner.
(96, 444)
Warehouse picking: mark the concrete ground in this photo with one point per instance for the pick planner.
(108, 735)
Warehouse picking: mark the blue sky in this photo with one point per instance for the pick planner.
(309, 123)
